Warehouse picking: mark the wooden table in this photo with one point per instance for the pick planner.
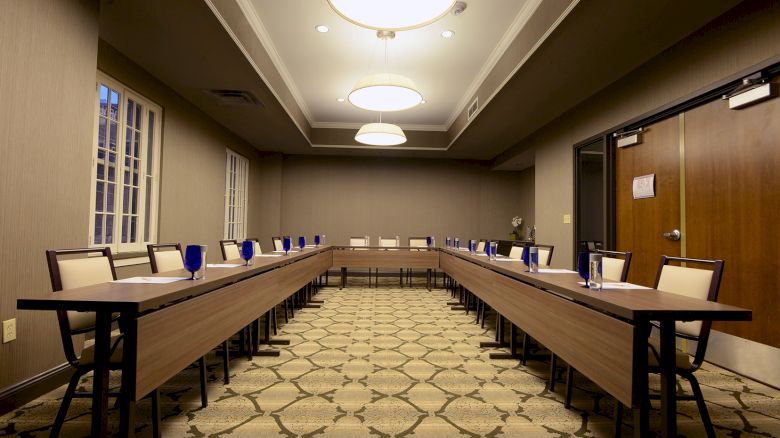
(601, 334)
(166, 327)
(385, 257)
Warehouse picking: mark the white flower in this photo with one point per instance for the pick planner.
(516, 221)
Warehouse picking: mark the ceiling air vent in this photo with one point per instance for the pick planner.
(473, 108)
(233, 97)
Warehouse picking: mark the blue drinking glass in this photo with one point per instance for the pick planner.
(429, 241)
(247, 250)
(286, 244)
(316, 240)
(302, 242)
(525, 256)
(583, 266)
(193, 259)
(487, 248)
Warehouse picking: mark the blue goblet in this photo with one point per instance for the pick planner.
(286, 244)
(583, 266)
(302, 242)
(316, 240)
(487, 248)
(193, 259)
(526, 261)
(247, 250)
(429, 241)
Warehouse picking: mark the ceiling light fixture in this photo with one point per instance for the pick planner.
(447, 34)
(321, 28)
(391, 14)
(380, 134)
(385, 91)
(340, 99)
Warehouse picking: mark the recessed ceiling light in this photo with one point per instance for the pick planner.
(447, 34)
(321, 28)
(340, 99)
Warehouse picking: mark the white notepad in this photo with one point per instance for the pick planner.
(268, 255)
(556, 271)
(150, 280)
(223, 265)
(508, 259)
(618, 286)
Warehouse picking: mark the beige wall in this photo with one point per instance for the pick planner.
(742, 39)
(343, 197)
(46, 136)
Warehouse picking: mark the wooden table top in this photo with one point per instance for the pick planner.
(138, 297)
(647, 304)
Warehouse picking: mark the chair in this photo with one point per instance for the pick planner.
(702, 284)
(545, 254)
(166, 257)
(229, 249)
(415, 242)
(392, 245)
(504, 247)
(481, 245)
(614, 267)
(277, 242)
(73, 273)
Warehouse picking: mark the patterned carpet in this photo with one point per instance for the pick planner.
(392, 362)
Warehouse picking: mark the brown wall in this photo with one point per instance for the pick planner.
(343, 197)
(744, 37)
(46, 135)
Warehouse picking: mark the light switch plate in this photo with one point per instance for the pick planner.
(566, 218)
(9, 330)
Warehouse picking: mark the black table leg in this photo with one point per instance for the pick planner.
(126, 401)
(100, 376)
(668, 379)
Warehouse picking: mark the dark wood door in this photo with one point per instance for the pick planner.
(640, 223)
(732, 200)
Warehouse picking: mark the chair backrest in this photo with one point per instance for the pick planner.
(545, 254)
(387, 243)
(229, 249)
(258, 249)
(418, 242)
(357, 241)
(481, 246)
(516, 252)
(165, 257)
(78, 272)
(614, 265)
(504, 247)
(702, 284)
(277, 241)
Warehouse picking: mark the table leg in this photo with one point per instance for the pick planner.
(428, 280)
(100, 376)
(668, 379)
(126, 399)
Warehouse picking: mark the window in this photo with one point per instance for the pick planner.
(236, 170)
(125, 169)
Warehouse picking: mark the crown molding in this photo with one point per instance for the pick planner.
(522, 62)
(254, 65)
(264, 37)
(410, 127)
(522, 17)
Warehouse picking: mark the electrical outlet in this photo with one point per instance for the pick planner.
(566, 218)
(9, 330)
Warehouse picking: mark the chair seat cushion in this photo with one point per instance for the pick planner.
(87, 359)
(682, 360)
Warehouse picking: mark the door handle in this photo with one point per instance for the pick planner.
(673, 235)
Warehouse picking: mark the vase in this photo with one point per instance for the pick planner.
(514, 236)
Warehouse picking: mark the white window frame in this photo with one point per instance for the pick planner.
(117, 245)
(236, 195)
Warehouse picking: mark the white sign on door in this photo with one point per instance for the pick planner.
(644, 186)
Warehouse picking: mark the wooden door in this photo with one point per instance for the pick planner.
(640, 223)
(732, 204)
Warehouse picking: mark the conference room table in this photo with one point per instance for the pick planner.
(166, 327)
(402, 257)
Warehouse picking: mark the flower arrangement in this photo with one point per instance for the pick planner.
(517, 221)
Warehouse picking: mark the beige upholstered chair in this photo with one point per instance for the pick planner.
(70, 273)
(229, 249)
(516, 252)
(545, 255)
(277, 242)
(692, 282)
(481, 245)
(358, 241)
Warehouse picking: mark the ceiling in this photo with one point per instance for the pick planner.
(322, 67)
(525, 61)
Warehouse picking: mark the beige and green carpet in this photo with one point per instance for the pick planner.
(392, 362)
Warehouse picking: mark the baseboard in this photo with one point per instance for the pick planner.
(21, 393)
